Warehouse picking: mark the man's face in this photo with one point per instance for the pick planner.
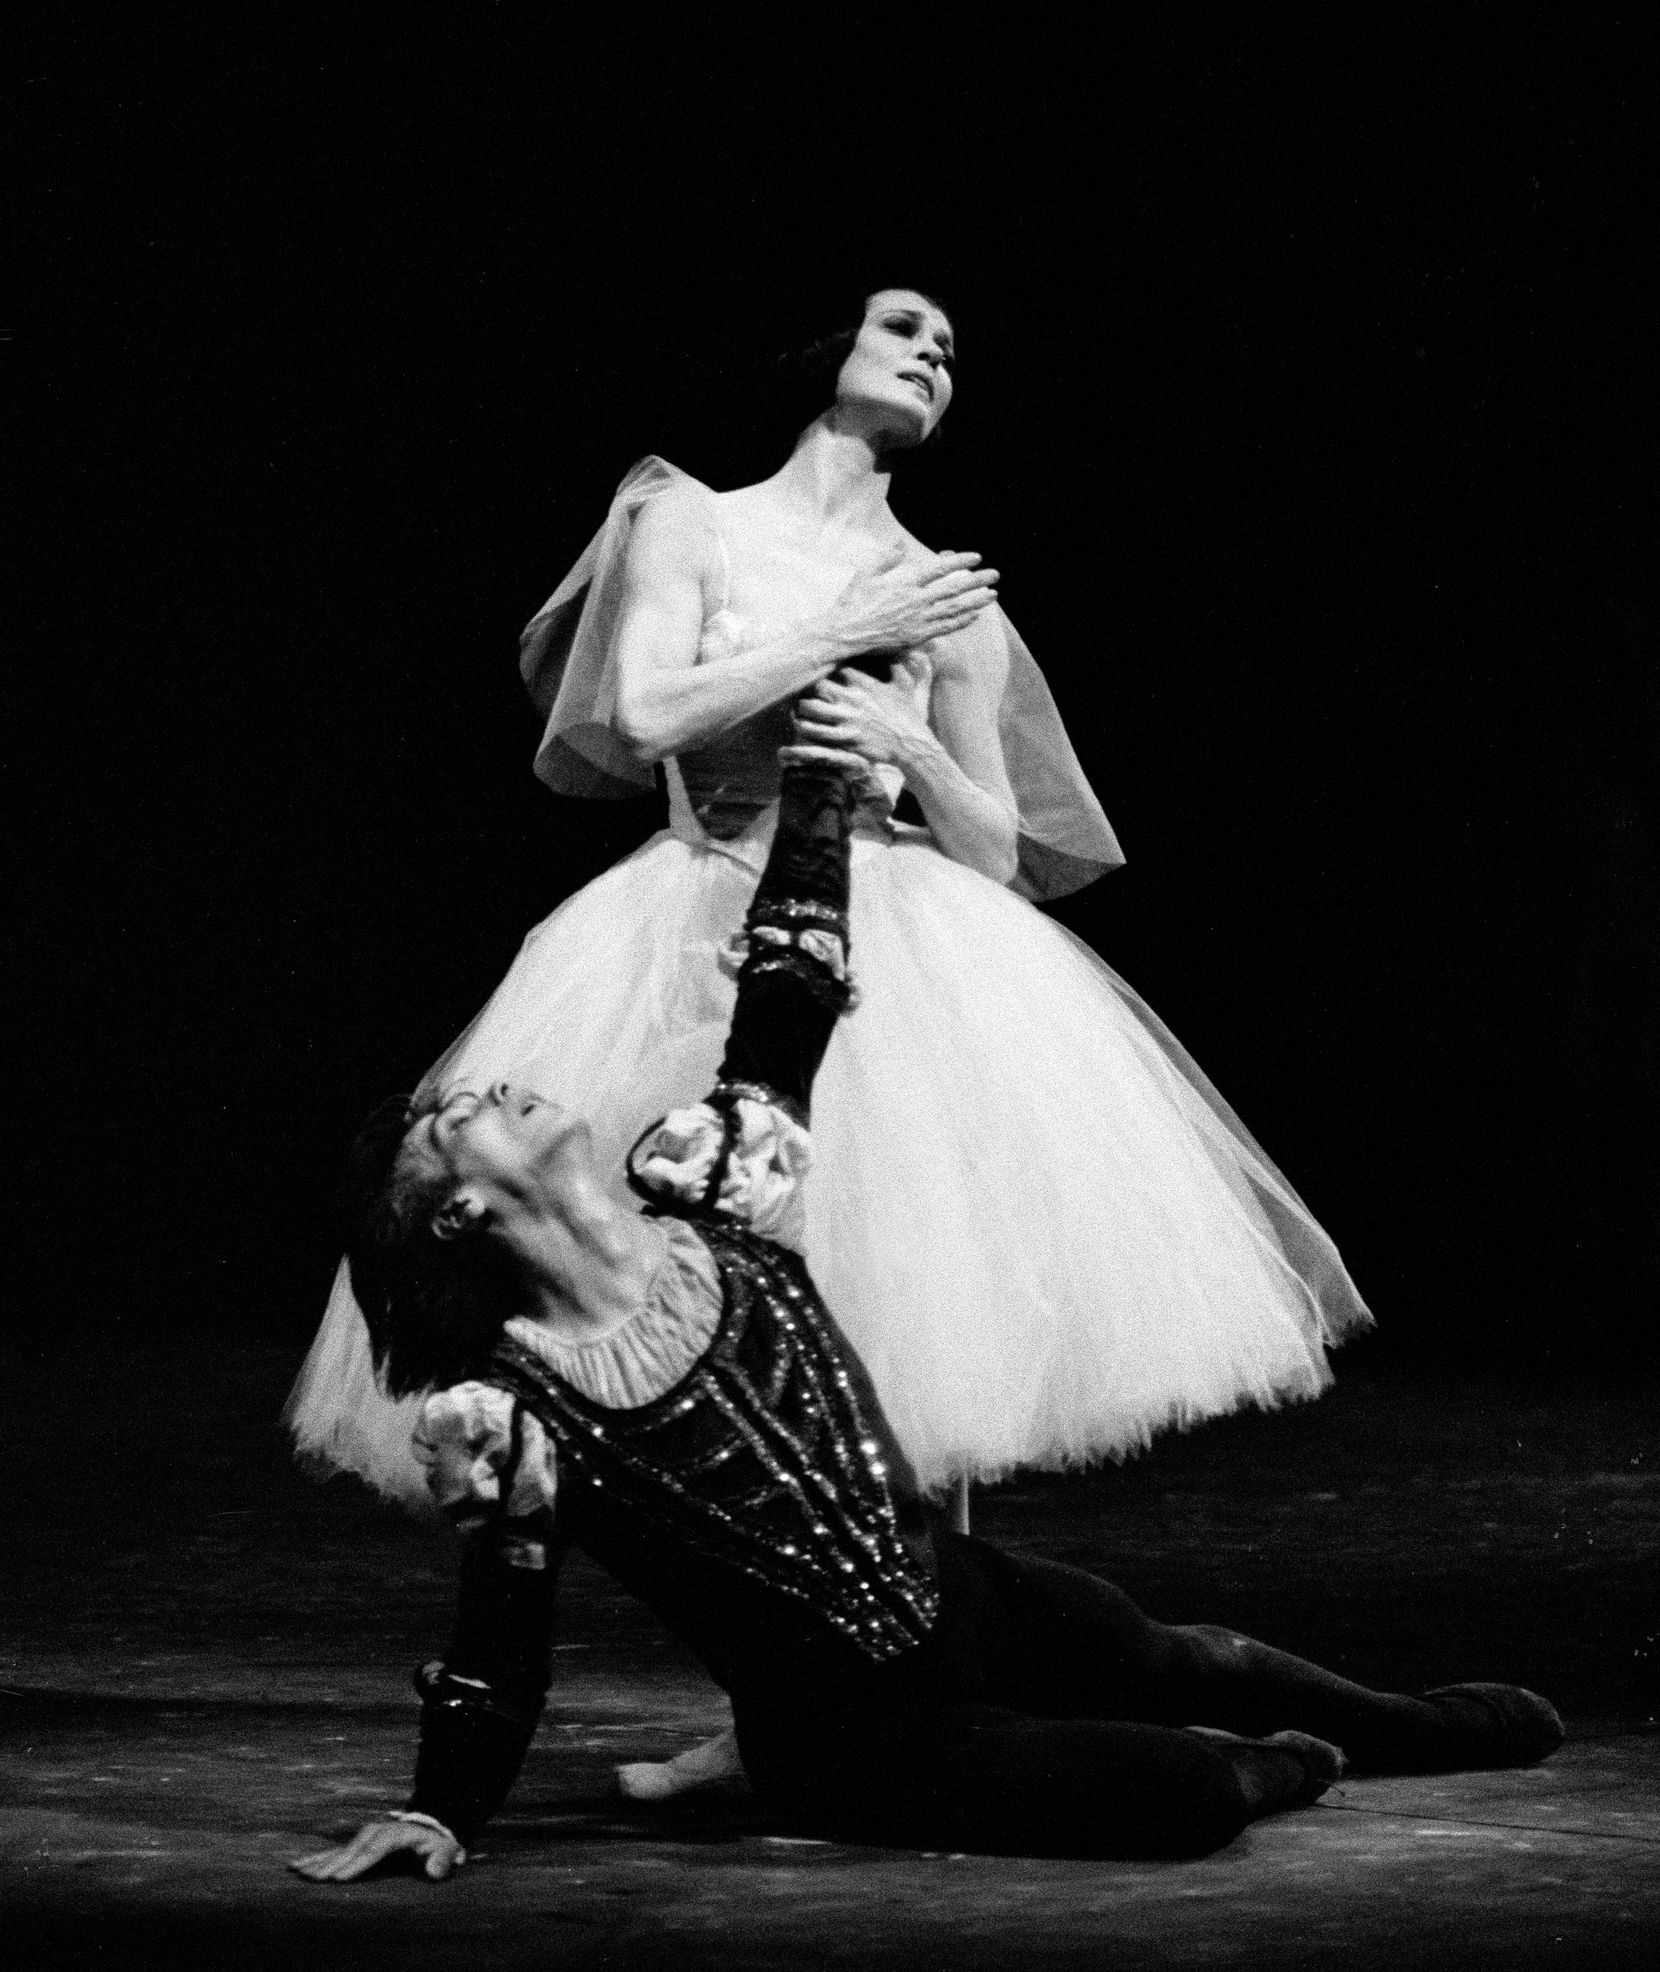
(500, 1151)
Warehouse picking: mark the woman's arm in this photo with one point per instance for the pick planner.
(667, 702)
(960, 782)
(952, 761)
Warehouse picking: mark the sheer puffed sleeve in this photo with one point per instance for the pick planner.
(1065, 840)
(567, 660)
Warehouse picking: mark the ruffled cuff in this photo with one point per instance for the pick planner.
(817, 931)
(472, 1439)
(758, 1179)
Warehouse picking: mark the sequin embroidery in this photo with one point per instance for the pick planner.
(763, 1458)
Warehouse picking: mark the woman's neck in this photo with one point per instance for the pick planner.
(833, 479)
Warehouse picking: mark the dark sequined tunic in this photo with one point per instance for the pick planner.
(769, 1467)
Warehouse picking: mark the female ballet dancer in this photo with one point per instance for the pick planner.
(1101, 1249)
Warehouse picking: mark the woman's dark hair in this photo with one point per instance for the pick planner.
(434, 1307)
(804, 379)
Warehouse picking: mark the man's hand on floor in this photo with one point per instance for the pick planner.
(418, 1847)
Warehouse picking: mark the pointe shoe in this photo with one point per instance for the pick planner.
(1507, 1726)
(703, 1765)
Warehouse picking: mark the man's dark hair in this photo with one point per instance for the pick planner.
(434, 1307)
(804, 379)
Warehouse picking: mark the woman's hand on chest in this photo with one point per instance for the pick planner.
(884, 723)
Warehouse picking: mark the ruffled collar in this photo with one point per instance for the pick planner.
(653, 1349)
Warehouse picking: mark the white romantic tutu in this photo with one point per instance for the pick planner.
(1043, 1231)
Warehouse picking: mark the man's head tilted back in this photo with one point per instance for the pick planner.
(426, 1188)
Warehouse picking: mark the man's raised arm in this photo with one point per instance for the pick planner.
(793, 983)
(743, 1150)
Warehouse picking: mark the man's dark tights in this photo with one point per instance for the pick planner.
(1044, 1717)
(1065, 1643)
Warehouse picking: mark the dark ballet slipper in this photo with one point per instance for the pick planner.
(1321, 1762)
(1500, 1725)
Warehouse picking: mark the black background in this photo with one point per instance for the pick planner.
(1298, 402)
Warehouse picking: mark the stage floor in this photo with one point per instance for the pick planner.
(205, 1667)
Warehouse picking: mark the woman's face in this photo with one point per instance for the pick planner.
(900, 366)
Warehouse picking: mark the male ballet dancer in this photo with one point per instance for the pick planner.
(667, 1391)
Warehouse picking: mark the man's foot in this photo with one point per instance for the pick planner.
(703, 1765)
(1318, 1762)
(1498, 1725)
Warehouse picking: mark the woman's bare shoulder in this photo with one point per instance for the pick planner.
(685, 500)
(746, 502)
(675, 524)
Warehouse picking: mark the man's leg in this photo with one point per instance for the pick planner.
(920, 1774)
(1065, 1643)
(1218, 1677)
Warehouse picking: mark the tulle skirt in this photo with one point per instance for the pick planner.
(1037, 1222)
